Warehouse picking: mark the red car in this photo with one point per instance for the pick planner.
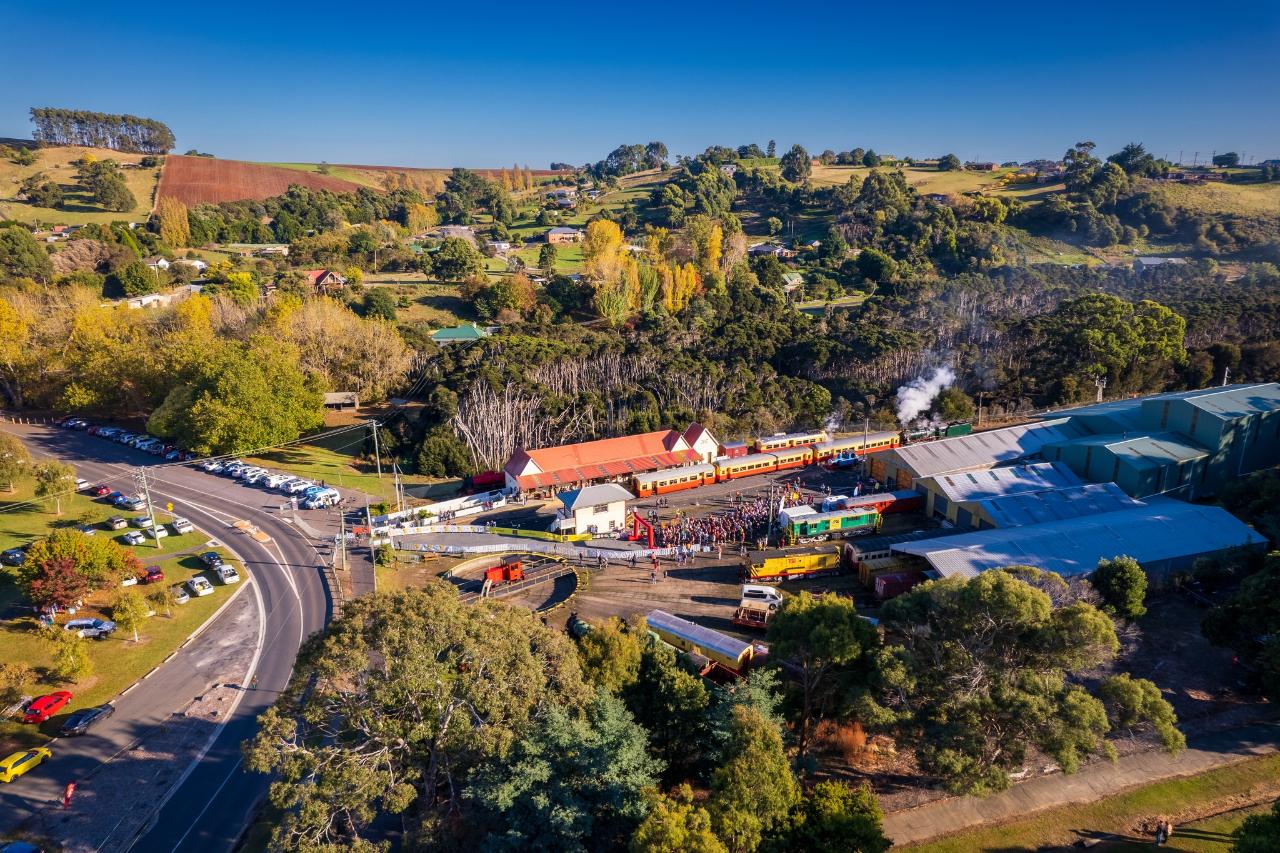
(101, 490)
(44, 707)
(154, 575)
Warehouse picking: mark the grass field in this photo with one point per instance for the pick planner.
(117, 662)
(924, 180)
(1248, 199)
(1249, 781)
(56, 164)
(337, 463)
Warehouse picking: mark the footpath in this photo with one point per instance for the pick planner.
(1203, 752)
(116, 800)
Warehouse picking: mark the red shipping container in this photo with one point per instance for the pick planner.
(896, 583)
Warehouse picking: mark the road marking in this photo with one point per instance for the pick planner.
(194, 822)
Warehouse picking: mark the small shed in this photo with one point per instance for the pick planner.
(340, 400)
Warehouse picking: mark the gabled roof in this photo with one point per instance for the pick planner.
(460, 332)
(1056, 504)
(1235, 401)
(697, 431)
(563, 229)
(1146, 451)
(1159, 529)
(1009, 480)
(984, 449)
(594, 496)
(594, 460)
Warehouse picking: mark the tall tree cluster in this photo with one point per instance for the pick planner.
(57, 126)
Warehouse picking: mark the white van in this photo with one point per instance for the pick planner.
(756, 594)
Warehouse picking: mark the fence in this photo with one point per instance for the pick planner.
(389, 533)
(610, 555)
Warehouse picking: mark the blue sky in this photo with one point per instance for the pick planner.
(490, 83)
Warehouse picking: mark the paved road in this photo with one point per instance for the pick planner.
(218, 796)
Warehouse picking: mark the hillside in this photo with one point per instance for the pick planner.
(375, 177)
(201, 180)
(56, 163)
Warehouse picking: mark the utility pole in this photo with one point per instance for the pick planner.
(377, 455)
(146, 496)
(979, 424)
(1226, 375)
(395, 469)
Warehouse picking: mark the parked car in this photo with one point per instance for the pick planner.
(212, 466)
(21, 763)
(227, 574)
(109, 432)
(134, 537)
(212, 559)
(91, 629)
(14, 556)
(199, 587)
(142, 521)
(172, 455)
(274, 481)
(118, 498)
(101, 490)
(81, 484)
(86, 718)
(254, 478)
(135, 503)
(153, 574)
(321, 499)
(42, 708)
(179, 594)
(181, 526)
(157, 532)
(117, 522)
(298, 487)
(87, 529)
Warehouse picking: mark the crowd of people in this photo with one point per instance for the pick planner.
(746, 522)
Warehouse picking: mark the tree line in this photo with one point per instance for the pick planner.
(58, 126)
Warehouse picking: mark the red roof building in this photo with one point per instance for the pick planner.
(324, 281)
(593, 461)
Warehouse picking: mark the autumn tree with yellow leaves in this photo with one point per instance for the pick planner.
(175, 228)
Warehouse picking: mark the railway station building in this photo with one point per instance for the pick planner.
(568, 466)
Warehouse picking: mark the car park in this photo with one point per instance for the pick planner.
(159, 531)
(152, 574)
(79, 722)
(23, 762)
(14, 556)
(90, 629)
(179, 594)
(181, 526)
(199, 587)
(227, 574)
(142, 521)
(42, 708)
(117, 522)
(211, 559)
(134, 537)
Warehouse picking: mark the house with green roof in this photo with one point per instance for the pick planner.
(461, 333)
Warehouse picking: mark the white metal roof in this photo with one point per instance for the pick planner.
(984, 449)
(1056, 504)
(1160, 529)
(594, 495)
(987, 483)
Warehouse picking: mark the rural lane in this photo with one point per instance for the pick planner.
(213, 803)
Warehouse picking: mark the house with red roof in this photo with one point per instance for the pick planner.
(605, 460)
(325, 281)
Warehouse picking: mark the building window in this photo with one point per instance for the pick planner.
(600, 510)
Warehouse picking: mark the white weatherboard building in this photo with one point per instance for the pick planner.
(594, 509)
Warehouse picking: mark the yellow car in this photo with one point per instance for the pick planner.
(20, 762)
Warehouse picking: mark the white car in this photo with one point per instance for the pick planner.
(213, 466)
(257, 478)
(90, 628)
(227, 574)
(199, 587)
(275, 481)
(179, 594)
(81, 484)
(181, 526)
(157, 532)
(134, 537)
(297, 487)
(143, 521)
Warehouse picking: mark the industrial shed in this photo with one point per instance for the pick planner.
(1052, 505)
(1142, 465)
(902, 466)
(1163, 535)
(954, 497)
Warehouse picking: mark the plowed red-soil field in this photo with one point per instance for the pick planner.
(205, 180)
